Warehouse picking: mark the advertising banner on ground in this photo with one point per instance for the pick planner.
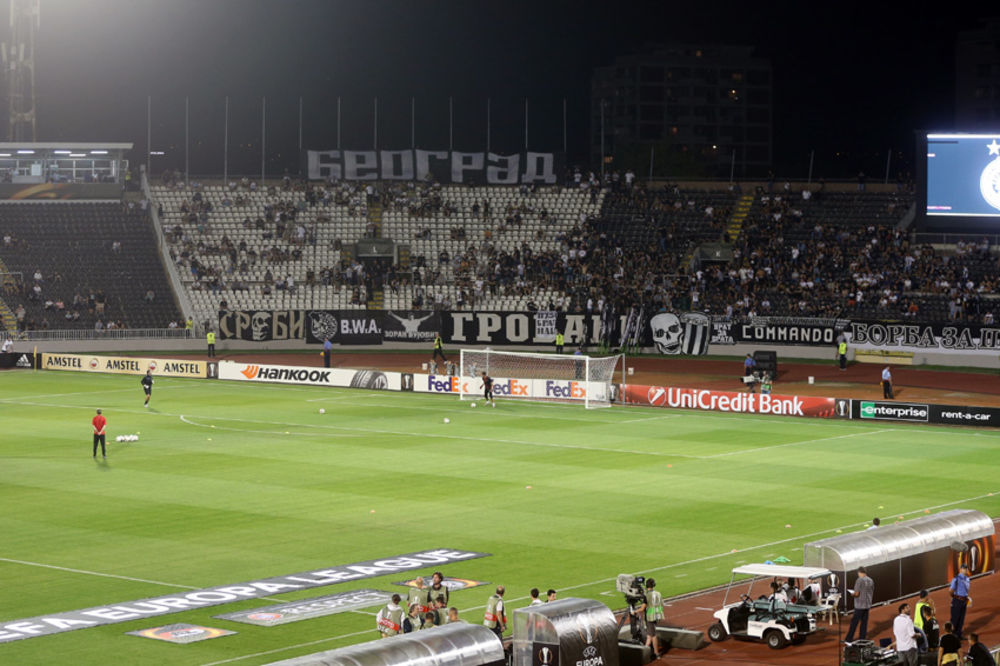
(124, 365)
(879, 410)
(54, 623)
(25, 360)
(291, 374)
(913, 412)
(732, 401)
(305, 609)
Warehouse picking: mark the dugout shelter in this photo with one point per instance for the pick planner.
(565, 632)
(908, 556)
(457, 644)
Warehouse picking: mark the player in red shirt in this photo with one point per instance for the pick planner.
(99, 423)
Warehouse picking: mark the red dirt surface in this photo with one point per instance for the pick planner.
(821, 648)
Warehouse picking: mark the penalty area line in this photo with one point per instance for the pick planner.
(188, 421)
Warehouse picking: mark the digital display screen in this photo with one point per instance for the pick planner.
(963, 175)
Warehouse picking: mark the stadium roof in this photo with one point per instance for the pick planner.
(64, 145)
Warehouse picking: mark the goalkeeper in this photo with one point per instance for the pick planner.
(487, 387)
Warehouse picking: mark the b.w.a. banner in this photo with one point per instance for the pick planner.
(344, 327)
(262, 325)
(446, 166)
(901, 336)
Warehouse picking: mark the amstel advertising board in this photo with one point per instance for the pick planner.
(124, 365)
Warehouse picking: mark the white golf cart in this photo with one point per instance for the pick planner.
(774, 621)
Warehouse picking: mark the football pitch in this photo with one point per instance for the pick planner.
(232, 482)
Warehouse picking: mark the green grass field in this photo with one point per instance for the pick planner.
(235, 482)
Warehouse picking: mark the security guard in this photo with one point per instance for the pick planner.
(438, 349)
(210, 338)
(842, 353)
(496, 617)
(418, 603)
(559, 342)
(389, 620)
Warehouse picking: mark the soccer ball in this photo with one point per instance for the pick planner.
(447, 420)
(322, 411)
(118, 438)
(473, 405)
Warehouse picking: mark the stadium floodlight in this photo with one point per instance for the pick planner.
(98, 152)
(78, 154)
(574, 379)
(62, 152)
(25, 152)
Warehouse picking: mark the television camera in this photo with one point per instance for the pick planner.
(634, 589)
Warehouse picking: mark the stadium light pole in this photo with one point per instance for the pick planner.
(602, 140)
(263, 138)
(888, 161)
(225, 145)
(187, 163)
(565, 144)
(525, 124)
(149, 133)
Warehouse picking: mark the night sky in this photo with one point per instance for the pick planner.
(858, 81)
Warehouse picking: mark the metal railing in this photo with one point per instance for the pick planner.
(90, 334)
(950, 239)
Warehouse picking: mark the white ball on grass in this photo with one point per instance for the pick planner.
(118, 438)
(473, 405)
(447, 420)
(322, 411)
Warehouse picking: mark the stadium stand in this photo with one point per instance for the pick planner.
(291, 247)
(72, 265)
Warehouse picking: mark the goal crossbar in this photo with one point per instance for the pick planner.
(574, 378)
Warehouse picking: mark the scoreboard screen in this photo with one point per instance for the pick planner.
(963, 175)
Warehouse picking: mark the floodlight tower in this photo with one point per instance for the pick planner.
(18, 59)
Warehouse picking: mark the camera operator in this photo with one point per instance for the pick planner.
(637, 604)
(654, 612)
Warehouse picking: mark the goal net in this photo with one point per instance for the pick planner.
(577, 379)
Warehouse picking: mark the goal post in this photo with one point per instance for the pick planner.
(575, 379)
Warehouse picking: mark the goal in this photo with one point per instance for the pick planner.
(576, 379)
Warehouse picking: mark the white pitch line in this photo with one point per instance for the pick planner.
(270, 432)
(804, 441)
(651, 418)
(118, 576)
(290, 647)
(438, 436)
